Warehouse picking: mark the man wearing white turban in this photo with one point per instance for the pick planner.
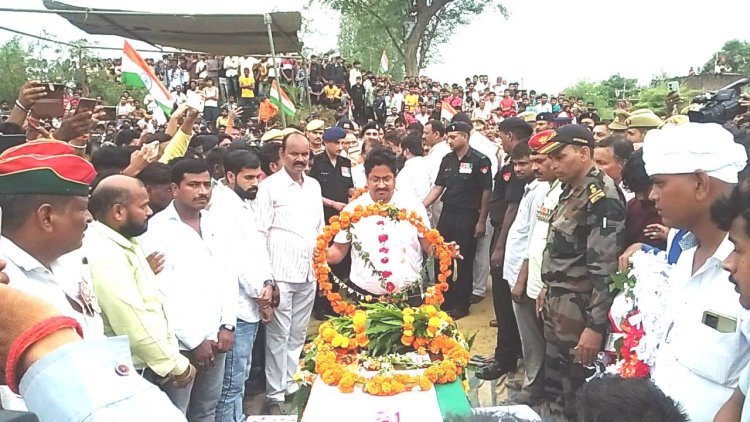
(707, 343)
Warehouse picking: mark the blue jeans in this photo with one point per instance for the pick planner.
(236, 372)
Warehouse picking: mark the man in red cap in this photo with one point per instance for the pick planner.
(44, 189)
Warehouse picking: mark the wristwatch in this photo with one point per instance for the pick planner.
(269, 283)
(228, 327)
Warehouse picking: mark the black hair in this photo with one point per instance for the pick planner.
(126, 136)
(235, 161)
(269, 153)
(622, 148)
(634, 176)
(187, 166)
(413, 142)
(399, 121)
(103, 199)
(111, 157)
(155, 174)
(392, 137)
(381, 156)
(616, 399)
(520, 150)
(733, 205)
(415, 127)
(17, 208)
(215, 157)
(518, 127)
(437, 126)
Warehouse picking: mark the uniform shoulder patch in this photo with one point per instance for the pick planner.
(595, 192)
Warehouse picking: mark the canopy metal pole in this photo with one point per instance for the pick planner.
(267, 20)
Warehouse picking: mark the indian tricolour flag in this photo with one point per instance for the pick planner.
(282, 101)
(447, 111)
(137, 73)
(384, 63)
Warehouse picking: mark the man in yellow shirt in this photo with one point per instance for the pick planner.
(331, 95)
(411, 101)
(126, 288)
(247, 92)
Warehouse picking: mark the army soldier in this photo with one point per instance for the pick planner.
(334, 173)
(585, 238)
(639, 123)
(618, 124)
(465, 183)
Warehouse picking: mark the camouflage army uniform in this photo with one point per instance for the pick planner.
(586, 237)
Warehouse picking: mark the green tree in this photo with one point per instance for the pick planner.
(595, 92)
(735, 55)
(654, 98)
(51, 62)
(413, 29)
(12, 69)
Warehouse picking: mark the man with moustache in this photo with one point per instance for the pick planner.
(585, 239)
(291, 216)
(126, 286)
(314, 133)
(232, 203)
(708, 342)
(198, 282)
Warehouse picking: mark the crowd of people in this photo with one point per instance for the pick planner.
(201, 231)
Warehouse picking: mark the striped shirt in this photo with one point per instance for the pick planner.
(291, 217)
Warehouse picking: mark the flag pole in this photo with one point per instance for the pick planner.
(267, 20)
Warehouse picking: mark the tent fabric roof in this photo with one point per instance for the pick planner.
(216, 34)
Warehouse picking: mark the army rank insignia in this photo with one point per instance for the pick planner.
(595, 193)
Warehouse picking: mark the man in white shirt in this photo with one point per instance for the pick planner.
(543, 106)
(707, 343)
(433, 139)
(731, 213)
(231, 69)
(528, 278)
(44, 189)
(395, 248)
(397, 100)
(291, 217)
(43, 221)
(231, 203)
(198, 282)
(414, 179)
(354, 73)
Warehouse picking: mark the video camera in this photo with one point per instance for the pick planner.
(720, 106)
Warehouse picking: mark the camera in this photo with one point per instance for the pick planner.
(720, 106)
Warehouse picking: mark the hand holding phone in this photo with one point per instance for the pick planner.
(51, 104)
(85, 104)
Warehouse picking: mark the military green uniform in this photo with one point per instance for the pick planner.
(585, 239)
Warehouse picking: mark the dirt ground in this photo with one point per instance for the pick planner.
(477, 321)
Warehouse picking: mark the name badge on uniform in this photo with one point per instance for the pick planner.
(464, 168)
(346, 172)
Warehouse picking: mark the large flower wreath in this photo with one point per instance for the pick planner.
(367, 344)
(637, 314)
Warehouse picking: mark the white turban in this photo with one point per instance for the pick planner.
(686, 148)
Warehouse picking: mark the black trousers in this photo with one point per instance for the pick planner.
(457, 225)
(508, 347)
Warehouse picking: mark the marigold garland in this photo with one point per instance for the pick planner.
(632, 365)
(344, 221)
(342, 348)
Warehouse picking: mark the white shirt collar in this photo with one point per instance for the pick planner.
(20, 257)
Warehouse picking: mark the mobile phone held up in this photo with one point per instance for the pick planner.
(85, 104)
(51, 105)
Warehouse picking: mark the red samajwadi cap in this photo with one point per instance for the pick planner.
(45, 167)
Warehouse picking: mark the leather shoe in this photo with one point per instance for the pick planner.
(476, 299)
(492, 371)
(493, 323)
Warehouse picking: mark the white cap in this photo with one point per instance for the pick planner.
(686, 148)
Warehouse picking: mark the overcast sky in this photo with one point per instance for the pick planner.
(546, 44)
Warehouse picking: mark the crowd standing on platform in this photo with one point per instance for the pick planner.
(200, 228)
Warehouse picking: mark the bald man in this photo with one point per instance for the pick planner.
(126, 285)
